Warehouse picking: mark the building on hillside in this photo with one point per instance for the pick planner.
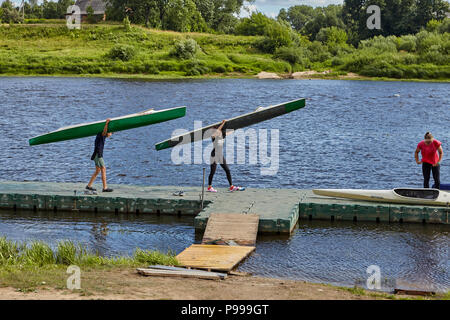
(98, 7)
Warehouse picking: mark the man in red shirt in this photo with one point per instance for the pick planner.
(430, 147)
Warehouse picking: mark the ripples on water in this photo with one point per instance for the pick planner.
(352, 134)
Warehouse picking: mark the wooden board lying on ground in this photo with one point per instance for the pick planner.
(213, 257)
(237, 227)
(181, 272)
(162, 267)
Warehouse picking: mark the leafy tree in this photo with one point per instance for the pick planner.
(50, 10)
(206, 9)
(183, 16)
(398, 17)
(283, 15)
(90, 14)
(7, 4)
(427, 10)
(9, 14)
(255, 25)
(178, 15)
(225, 12)
(62, 7)
(299, 15)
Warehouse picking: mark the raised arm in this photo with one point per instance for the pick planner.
(105, 129)
(219, 129)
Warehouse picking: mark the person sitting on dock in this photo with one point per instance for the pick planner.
(97, 156)
(430, 147)
(217, 138)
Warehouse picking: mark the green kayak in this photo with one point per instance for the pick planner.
(245, 120)
(131, 121)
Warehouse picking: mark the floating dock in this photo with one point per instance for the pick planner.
(278, 209)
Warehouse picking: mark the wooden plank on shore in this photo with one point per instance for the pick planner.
(180, 273)
(226, 228)
(171, 268)
(213, 257)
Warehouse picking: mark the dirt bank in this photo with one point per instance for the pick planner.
(127, 284)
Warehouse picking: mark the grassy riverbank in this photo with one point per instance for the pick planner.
(113, 51)
(36, 271)
(26, 266)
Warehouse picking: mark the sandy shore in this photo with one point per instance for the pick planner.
(127, 284)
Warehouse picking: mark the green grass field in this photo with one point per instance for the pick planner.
(55, 50)
(108, 50)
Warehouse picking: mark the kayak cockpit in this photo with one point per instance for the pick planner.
(429, 194)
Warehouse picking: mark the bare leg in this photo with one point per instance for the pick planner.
(103, 169)
(94, 176)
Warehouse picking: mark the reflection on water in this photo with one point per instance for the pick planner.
(340, 252)
(107, 234)
(318, 251)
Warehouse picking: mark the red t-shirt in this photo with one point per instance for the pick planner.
(429, 152)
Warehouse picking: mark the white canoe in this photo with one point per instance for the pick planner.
(431, 197)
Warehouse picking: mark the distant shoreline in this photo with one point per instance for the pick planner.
(168, 77)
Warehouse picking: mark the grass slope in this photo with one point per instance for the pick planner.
(108, 50)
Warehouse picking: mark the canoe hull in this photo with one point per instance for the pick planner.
(136, 120)
(386, 196)
(238, 122)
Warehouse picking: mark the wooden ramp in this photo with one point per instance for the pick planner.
(231, 228)
(213, 257)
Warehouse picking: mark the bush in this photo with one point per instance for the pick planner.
(318, 52)
(445, 26)
(67, 253)
(154, 257)
(10, 16)
(195, 68)
(185, 49)
(292, 55)
(332, 36)
(427, 39)
(150, 68)
(276, 36)
(336, 61)
(126, 24)
(122, 52)
(9, 251)
(433, 55)
(39, 253)
(407, 43)
(433, 25)
(380, 43)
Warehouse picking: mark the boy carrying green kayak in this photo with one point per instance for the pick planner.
(97, 156)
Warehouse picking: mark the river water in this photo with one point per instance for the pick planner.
(351, 134)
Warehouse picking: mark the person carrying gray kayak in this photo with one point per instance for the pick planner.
(217, 138)
(97, 156)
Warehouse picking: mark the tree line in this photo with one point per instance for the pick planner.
(398, 17)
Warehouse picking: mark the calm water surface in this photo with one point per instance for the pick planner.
(352, 134)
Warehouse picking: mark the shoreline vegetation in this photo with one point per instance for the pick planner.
(136, 52)
(185, 39)
(36, 271)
